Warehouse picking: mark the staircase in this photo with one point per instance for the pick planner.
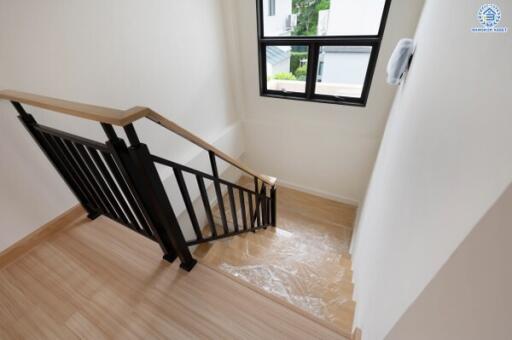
(123, 184)
(299, 258)
(302, 263)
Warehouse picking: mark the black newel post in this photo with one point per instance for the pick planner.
(138, 166)
(273, 202)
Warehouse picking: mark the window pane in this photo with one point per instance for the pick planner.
(342, 70)
(321, 17)
(287, 68)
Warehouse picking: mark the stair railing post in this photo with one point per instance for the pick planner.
(273, 202)
(218, 192)
(264, 206)
(258, 198)
(138, 166)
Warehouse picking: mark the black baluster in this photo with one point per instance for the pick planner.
(257, 211)
(273, 198)
(59, 157)
(264, 206)
(103, 189)
(84, 161)
(258, 208)
(188, 202)
(251, 211)
(82, 168)
(117, 199)
(30, 124)
(233, 208)
(218, 192)
(206, 204)
(131, 199)
(242, 205)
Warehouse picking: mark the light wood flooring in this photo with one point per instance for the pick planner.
(98, 280)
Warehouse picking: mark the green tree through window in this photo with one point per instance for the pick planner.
(307, 15)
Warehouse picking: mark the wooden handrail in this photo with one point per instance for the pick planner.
(90, 112)
(172, 126)
(122, 118)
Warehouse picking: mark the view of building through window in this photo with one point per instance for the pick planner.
(341, 69)
(287, 68)
(322, 17)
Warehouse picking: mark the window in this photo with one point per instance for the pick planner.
(279, 77)
(271, 8)
(320, 50)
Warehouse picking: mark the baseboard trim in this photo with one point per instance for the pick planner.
(318, 193)
(357, 335)
(40, 234)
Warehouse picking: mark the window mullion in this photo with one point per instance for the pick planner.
(313, 49)
(262, 60)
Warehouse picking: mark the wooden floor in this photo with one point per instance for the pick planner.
(303, 263)
(98, 280)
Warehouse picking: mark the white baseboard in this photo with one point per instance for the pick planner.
(319, 193)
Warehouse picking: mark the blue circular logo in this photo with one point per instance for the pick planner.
(489, 15)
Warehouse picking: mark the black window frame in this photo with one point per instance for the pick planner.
(314, 43)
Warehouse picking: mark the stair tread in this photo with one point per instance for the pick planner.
(244, 246)
(252, 254)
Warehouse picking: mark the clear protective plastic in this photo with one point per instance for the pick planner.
(303, 261)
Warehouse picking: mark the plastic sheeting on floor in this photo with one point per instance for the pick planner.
(303, 261)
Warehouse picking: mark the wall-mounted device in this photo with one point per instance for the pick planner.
(400, 60)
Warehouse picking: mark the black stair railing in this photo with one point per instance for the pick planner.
(122, 182)
(219, 184)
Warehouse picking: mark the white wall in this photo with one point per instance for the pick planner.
(170, 55)
(444, 160)
(470, 296)
(323, 148)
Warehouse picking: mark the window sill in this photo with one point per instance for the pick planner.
(322, 100)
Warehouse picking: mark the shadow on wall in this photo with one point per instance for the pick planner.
(470, 297)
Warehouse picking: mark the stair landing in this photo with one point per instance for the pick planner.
(99, 280)
(304, 262)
